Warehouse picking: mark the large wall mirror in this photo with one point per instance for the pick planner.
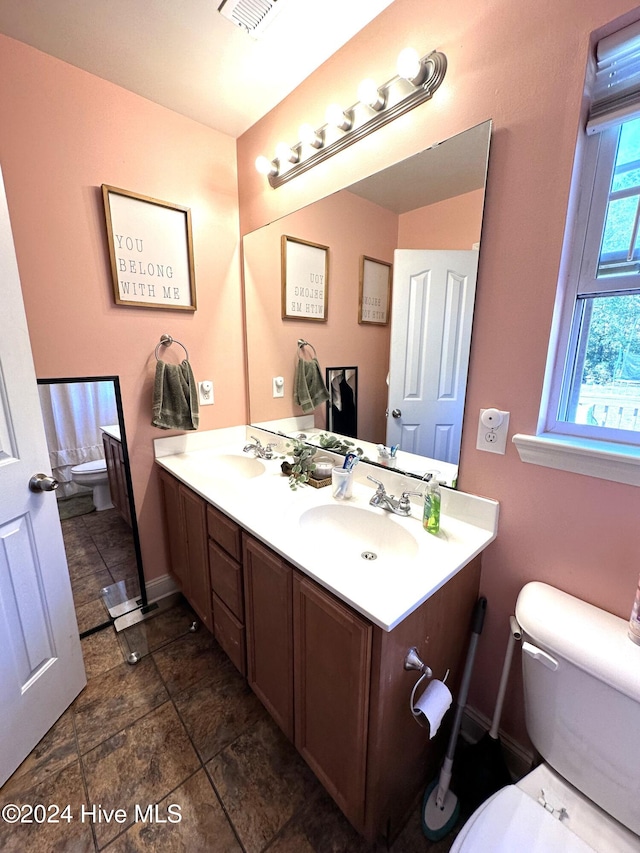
(423, 216)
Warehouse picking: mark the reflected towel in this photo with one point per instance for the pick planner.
(175, 398)
(309, 390)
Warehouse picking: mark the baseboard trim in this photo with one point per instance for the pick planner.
(161, 587)
(518, 758)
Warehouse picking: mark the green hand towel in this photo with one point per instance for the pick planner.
(175, 398)
(309, 389)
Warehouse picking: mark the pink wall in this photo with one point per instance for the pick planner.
(350, 227)
(64, 133)
(454, 223)
(523, 65)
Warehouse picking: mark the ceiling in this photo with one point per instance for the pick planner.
(450, 168)
(185, 55)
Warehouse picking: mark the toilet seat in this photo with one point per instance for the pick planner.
(511, 821)
(95, 467)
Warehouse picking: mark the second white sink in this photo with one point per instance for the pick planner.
(358, 532)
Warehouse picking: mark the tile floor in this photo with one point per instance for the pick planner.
(179, 732)
(100, 552)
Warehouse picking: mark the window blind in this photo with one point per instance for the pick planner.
(616, 92)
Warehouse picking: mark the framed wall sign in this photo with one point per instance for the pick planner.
(305, 279)
(375, 291)
(151, 251)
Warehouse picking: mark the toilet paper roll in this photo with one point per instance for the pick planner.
(433, 705)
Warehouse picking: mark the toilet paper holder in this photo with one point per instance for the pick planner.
(412, 660)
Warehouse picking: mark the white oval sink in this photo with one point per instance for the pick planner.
(354, 530)
(237, 465)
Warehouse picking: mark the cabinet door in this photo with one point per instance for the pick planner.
(121, 479)
(114, 458)
(268, 620)
(195, 525)
(332, 680)
(176, 534)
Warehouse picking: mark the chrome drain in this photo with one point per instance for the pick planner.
(369, 555)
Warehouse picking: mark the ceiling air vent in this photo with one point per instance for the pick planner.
(253, 16)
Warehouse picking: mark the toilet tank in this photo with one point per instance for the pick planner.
(581, 677)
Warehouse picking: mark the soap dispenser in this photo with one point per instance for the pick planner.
(432, 498)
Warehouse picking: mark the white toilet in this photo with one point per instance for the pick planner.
(94, 475)
(581, 677)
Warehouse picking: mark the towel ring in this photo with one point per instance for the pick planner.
(302, 343)
(166, 341)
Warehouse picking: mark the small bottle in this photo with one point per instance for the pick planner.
(634, 621)
(432, 498)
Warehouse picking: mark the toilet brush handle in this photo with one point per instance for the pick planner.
(514, 634)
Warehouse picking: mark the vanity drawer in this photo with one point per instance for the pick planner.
(230, 634)
(226, 580)
(225, 532)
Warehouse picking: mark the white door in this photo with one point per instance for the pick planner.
(41, 667)
(431, 317)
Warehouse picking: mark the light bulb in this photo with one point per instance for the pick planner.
(265, 166)
(285, 153)
(336, 116)
(310, 136)
(410, 67)
(370, 95)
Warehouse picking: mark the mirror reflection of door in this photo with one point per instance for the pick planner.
(87, 451)
(433, 298)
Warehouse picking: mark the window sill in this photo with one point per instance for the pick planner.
(617, 462)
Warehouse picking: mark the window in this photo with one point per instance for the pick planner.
(593, 389)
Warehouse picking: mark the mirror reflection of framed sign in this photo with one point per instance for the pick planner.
(305, 279)
(151, 251)
(375, 291)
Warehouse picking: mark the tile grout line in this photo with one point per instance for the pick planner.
(200, 759)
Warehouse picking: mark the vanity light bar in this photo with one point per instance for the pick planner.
(377, 106)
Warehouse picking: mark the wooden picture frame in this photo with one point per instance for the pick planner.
(374, 303)
(305, 279)
(151, 251)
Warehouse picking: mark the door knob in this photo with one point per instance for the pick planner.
(43, 483)
(396, 413)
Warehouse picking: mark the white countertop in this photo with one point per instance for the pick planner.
(385, 590)
(113, 430)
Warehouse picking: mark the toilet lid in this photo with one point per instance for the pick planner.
(90, 467)
(513, 821)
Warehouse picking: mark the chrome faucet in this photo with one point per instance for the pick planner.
(399, 506)
(258, 450)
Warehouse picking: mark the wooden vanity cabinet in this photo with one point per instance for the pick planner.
(334, 682)
(114, 458)
(268, 584)
(186, 522)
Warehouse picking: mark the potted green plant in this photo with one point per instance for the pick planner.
(299, 470)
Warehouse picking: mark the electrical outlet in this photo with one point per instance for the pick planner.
(205, 392)
(493, 426)
(278, 386)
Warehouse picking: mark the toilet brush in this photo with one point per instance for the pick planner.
(440, 807)
(481, 769)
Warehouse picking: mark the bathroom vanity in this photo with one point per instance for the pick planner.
(114, 457)
(325, 657)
